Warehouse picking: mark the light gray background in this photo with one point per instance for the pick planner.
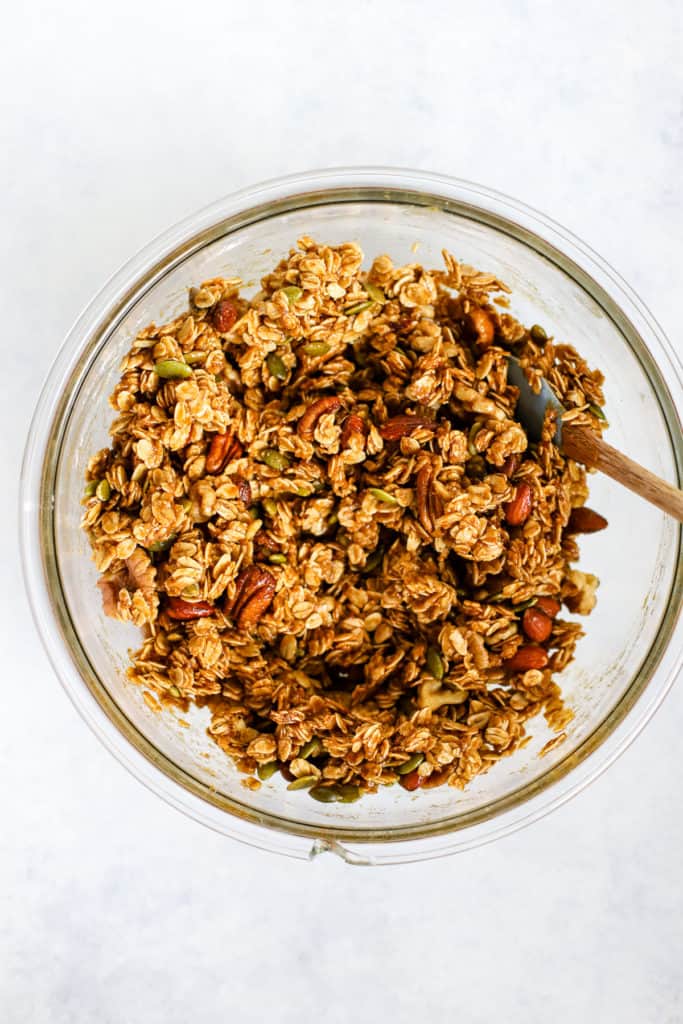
(119, 120)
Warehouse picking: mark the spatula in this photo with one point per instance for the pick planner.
(584, 446)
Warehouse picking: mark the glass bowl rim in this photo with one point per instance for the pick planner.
(158, 773)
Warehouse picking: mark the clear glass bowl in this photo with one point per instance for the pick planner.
(632, 648)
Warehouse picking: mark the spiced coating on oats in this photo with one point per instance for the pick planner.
(331, 526)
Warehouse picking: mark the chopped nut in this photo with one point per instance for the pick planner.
(585, 520)
(185, 611)
(518, 510)
(224, 316)
(403, 426)
(369, 594)
(307, 423)
(223, 448)
(254, 592)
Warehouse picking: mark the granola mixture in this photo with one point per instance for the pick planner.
(320, 509)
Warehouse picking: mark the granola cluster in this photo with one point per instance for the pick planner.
(321, 510)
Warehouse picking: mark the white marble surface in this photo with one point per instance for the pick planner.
(118, 121)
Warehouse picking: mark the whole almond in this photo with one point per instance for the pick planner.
(224, 316)
(537, 625)
(511, 464)
(585, 520)
(518, 510)
(185, 611)
(526, 658)
(550, 605)
(410, 781)
(401, 426)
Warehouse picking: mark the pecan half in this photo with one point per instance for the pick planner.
(184, 611)
(585, 520)
(518, 510)
(429, 505)
(401, 426)
(222, 449)
(353, 425)
(224, 316)
(305, 428)
(254, 593)
(526, 658)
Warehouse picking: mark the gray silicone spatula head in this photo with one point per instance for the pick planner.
(582, 444)
(531, 407)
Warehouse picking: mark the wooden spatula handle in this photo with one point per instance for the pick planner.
(584, 446)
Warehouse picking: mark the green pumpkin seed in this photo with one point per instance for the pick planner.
(373, 560)
(384, 496)
(305, 782)
(348, 793)
(360, 307)
(266, 771)
(411, 764)
(333, 519)
(293, 293)
(162, 545)
(192, 358)
(538, 333)
(90, 489)
(435, 663)
(174, 691)
(324, 794)
(524, 604)
(275, 459)
(191, 592)
(186, 504)
(311, 749)
(597, 412)
(278, 559)
(103, 490)
(253, 512)
(172, 369)
(315, 348)
(276, 367)
(375, 293)
(269, 506)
